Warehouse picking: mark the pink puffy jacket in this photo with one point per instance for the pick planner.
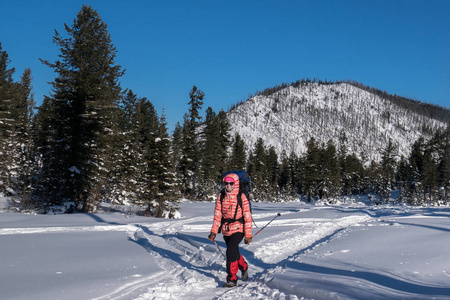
(227, 209)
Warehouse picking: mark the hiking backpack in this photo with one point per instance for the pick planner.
(245, 187)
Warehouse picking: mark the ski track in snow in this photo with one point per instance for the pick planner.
(191, 267)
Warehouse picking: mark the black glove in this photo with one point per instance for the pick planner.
(212, 236)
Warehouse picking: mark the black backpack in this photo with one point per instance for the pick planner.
(245, 187)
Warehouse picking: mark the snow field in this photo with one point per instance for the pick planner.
(309, 252)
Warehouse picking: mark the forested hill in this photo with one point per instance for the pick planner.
(356, 118)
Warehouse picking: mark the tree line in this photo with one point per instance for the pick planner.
(92, 142)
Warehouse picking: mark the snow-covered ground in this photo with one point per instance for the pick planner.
(348, 251)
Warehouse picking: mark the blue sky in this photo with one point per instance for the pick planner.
(231, 49)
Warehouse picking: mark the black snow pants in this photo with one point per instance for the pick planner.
(235, 261)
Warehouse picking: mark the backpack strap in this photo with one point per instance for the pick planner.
(241, 219)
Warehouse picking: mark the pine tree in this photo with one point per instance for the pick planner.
(167, 196)
(330, 173)
(403, 175)
(25, 156)
(296, 167)
(258, 171)
(81, 110)
(146, 130)
(352, 174)
(6, 122)
(388, 168)
(430, 167)
(285, 179)
(125, 187)
(444, 167)
(238, 154)
(311, 178)
(190, 154)
(16, 155)
(210, 159)
(177, 146)
(225, 142)
(416, 162)
(273, 170)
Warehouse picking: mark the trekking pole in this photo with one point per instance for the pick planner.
(219, 249)
(278, 214)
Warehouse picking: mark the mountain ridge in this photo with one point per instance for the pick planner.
(357, 118)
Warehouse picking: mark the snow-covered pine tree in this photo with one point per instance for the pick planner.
(81, 106)
(167, 187)
(352, 174)
(215, 145)
(176, 148)
(6, 123)
(238, 158)
(210, 159)
(225, 142)
(146, 132)
(190, 153)
(273, 171)
(126, 187)
(388, 167)
(330, 173)
(445, 167)
(257, 169)
(25, 156)
(310, 173)
(16, 155)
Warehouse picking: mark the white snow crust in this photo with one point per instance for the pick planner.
(348, 251)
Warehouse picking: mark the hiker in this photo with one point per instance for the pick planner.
(235, 222)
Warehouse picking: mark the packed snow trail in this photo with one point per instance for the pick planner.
(195, 268)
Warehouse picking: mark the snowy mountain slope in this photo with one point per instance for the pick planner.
(352, 251)
(348, 115)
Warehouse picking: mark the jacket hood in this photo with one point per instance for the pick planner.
(235, 177)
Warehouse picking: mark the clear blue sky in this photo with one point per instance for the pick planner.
(230, 48)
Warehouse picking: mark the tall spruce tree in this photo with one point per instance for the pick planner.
(16, 156)
(167, 194)
(329, 172)
(126, 187)
(416, 162)
(6, 122)
(311, 178)
(81, 108)
(285, 179)
(444, 167)
(190, 153)
(258, 171)
(147, 132)
(388, 168)
(430, 168)
(273, 171)
(224, 137)
(210, 159)
(176, 148)
(238, 154)
(352, 174)
(25, 157)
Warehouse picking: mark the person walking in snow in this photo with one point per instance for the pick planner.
(235, 222)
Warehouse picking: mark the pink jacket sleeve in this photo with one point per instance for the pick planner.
(247, 216)
(217, 216)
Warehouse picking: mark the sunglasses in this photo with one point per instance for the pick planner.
(229, 183)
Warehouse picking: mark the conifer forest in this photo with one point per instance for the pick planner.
(93, 141)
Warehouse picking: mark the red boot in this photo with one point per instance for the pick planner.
(243, 266)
